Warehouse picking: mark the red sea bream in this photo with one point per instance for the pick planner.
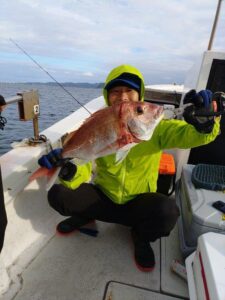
(114, 129)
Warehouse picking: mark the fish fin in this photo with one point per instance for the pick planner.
(122, 152)
(51, 174)
(52, 179)
(120, 155)
(40, 172)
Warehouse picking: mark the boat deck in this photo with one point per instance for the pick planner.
(82, 267)
(38, 264)
(93, 268)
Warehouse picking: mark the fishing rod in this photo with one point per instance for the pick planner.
(31, 58)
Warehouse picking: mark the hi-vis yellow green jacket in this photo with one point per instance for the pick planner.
(138, 172)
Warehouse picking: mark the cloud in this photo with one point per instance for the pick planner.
(77, 38)
(88, 74)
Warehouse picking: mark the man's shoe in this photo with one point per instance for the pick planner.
(143, 254)
(71, 224)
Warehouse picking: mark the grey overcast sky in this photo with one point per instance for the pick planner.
(81, 40)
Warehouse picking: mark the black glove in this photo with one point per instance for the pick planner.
(198, 114)
(54, 159)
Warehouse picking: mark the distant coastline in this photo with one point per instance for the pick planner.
(85, 85)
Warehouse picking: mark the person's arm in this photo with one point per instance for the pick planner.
(196, 130)
(70, 175)
(198, 113)
(180, 134)
(3, 216)
(2, 103)
(83, 174)
(54, 159)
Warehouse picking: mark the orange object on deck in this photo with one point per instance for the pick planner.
(167, 164)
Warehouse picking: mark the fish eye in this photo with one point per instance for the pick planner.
(140, 110)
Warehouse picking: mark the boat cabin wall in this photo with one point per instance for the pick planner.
(207, 73)
(200, 73)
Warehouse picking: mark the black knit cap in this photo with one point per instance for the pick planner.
(125, 79)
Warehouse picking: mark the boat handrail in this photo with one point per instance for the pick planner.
(28, 106)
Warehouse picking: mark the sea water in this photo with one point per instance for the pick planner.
(55, 104)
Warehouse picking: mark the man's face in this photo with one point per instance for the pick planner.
(122, 93)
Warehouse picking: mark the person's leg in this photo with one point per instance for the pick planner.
(150, 215)
(73, 203)
(153, 216)
(3, 216)
(83, 205)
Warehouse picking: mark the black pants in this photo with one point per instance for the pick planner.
(150, 215)
(3, 216)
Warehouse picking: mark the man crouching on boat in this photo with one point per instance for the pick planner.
(125, 193)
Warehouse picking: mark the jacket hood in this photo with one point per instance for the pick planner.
(116, 72)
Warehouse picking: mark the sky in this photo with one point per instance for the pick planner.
(82, 40)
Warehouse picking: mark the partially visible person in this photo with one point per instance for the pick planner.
(125, 193)
(2, 103)
(3, 216)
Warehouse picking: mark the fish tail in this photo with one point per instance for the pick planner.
(42, 172)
